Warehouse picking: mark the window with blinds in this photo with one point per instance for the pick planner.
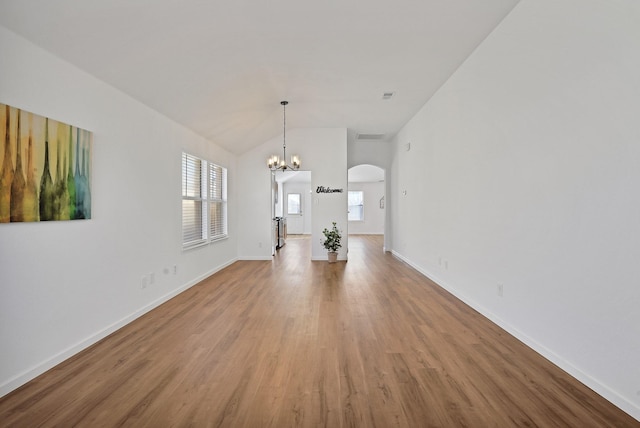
(356, 205)
(294, 206)
(204, 201)
(217, 202)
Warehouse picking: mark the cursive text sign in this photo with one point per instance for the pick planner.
(322, 189)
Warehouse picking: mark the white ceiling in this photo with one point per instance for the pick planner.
(221, 68)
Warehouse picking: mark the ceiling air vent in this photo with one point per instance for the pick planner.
(387, 95)
(361, 137)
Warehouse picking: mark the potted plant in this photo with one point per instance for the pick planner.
(332, 242)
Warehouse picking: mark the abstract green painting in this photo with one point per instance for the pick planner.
(45, 168)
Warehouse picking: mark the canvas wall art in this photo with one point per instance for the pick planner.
(45, 168)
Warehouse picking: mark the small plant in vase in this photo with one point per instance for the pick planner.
(332, 242)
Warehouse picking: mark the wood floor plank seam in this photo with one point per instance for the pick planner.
(298, 343)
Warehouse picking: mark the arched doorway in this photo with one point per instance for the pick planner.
(367, 201)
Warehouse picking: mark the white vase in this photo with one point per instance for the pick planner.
(333, 256)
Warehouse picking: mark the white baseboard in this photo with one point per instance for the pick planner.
(37, 370)
(251, 258)
(600, 388)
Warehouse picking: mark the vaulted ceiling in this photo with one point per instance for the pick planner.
(221, 68)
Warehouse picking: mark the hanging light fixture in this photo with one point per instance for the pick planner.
(274, 162)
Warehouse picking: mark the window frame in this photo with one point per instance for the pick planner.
(361, 205)
(217, 196)
(299, 204)
(210, 194)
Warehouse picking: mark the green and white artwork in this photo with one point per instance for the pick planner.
(45, 168)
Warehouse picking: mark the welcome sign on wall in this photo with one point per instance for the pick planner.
(322, 189)
(45, 168)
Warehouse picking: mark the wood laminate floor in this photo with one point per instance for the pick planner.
(290, 342)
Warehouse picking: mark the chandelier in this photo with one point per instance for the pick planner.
(275, 163)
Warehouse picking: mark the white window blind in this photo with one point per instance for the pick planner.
(356, 205)
(293, 204)
(217, 202)
(204, 210)
(192, 202)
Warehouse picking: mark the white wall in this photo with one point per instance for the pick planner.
(524, 171)
(64, 285)
(373, 223)
(323, 151)
(377, 153)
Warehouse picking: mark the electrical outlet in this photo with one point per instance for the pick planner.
(175, 269)
(143, 282)
(500, 289)
(152, 278)
(259, 244)
(446, 265)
